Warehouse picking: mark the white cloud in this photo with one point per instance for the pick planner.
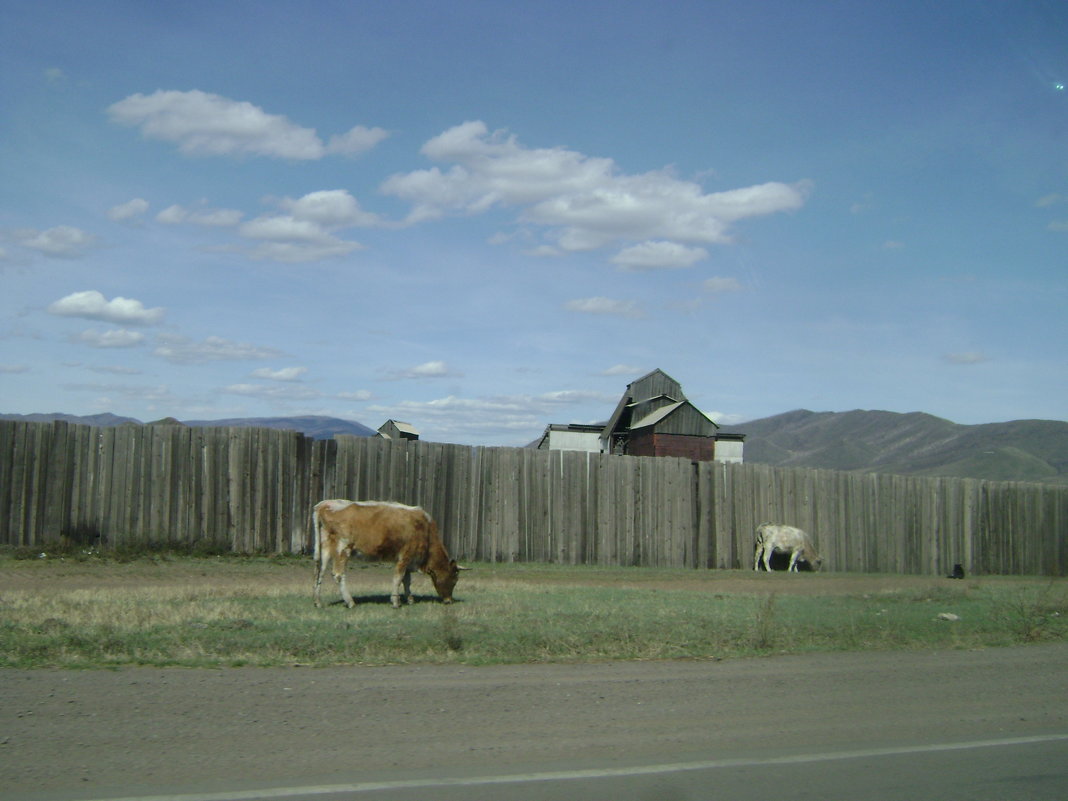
(358, 395)
(1048, 200)
(181, 350)
(622, 308)
(92, 305)
(205, 124)
(213, 218)
(129, 210)
(288, 239)
(270, 392)
(893, 244)
(658, 255)
(330, 208)
(357, 140)
(284, 374)
(434, 369)
(63, 241)
(13, 369)
(120, 338)
(306, 232)
(584, 202)
(1060, 226)
(719, 284)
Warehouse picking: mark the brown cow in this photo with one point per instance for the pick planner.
(381, 530)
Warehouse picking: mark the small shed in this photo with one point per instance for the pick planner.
(571, 437)
(395, 429)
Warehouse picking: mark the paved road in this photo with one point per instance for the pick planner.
(989, 724)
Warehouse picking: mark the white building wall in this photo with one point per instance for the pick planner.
(729, 450)
(575, 441)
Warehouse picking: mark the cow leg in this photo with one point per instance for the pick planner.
(793, 561)
(320, 568)
(341, 563)
(408, 587)
(402, 576)
(767, 558)
(756, 558)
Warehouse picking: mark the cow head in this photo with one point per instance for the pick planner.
(445, 580)
(815, 561)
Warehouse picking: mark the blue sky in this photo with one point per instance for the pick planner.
(483, 217)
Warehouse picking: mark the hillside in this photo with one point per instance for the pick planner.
(910, 444)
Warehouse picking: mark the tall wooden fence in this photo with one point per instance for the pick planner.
(252, 490)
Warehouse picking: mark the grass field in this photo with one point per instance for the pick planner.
(88, 611)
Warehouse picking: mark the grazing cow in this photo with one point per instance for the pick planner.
(784, 539)
(381, 530)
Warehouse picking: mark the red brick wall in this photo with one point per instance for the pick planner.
(698, 449)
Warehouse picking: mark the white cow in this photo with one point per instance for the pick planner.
(784, 539)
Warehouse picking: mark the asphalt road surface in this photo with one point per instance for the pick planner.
(969, 725)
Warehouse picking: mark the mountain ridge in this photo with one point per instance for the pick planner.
(314, 426)
(913, 443)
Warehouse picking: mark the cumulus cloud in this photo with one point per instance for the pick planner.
(658, 255)
(434, 369)
(622, 308)
(181, 350)
(357, 140)
(130, 210)
(204, 124)
(330, 208)
(583, 202)
(116, 338)
(61, 242)
(92, 305)
(307, 231)
(284, 374)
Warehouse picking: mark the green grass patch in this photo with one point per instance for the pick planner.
(231, 611)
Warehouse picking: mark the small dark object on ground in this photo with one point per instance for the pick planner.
(958, 572)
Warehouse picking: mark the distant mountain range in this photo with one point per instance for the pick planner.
(864, 441)
(910, 444)
(313, 426)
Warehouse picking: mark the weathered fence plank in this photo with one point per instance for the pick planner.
(252, 490)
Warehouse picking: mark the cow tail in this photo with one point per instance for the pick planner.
(315, 531)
